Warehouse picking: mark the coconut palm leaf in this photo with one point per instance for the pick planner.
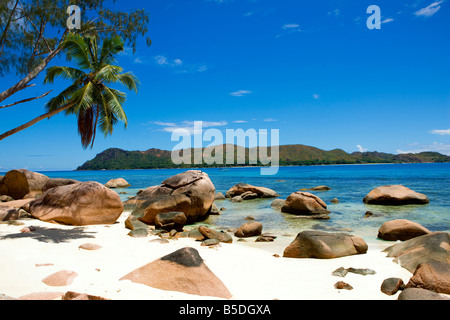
(89, 97)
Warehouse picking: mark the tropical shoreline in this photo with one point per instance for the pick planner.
(238, 265)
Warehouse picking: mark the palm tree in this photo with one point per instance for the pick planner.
(89, 97)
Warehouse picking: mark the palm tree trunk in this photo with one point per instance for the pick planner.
(34, 121)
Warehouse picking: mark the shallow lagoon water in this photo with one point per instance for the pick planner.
(348, 183)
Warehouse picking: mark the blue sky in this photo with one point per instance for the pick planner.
(311, 69)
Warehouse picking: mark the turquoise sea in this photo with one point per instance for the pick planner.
(348, 183)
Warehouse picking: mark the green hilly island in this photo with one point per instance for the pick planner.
(290, 155)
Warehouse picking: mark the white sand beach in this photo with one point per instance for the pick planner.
(248, 269)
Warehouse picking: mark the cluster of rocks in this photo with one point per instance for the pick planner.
(188, 197)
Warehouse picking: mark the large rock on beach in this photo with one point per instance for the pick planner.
(431, 247)
(249, 229)
(8, 214)
(421, 294)
(117, 183)
(433, 276)
(22, 183)
(190, 192)
(170, 220)
(323, 245)
(394, 195)
(304, 203)
(401, 229)
(213, 234)
(183, 271)
(85, 203)
(57, 182)
(251, 192)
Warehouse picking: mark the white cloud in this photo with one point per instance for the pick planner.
(290, 26)
(288, 29)
(387, 20)
(240, 121)
(240, 93)
(316, 96)
(138, 60)
(441, 132)
(270, 120)
(435, 147)
(161, 60)
(361, 149)
(178, 65)
(335, 12)
(430, 10)
(188, 126)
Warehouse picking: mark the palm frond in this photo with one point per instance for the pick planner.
(64, 98)
(108, 74)
(114, 101)
(64, 72)
(111, 47)
(75, 47)
(129, 80)
(84, 98)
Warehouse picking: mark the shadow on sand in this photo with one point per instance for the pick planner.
(52, 235)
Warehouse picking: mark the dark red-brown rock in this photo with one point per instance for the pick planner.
(390, 286)
(170, 220)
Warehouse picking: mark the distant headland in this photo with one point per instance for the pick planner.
(289, 155)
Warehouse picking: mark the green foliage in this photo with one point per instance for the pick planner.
(30, 29)
(290, 155)
(89, 96)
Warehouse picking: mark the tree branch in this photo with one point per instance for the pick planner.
(35, 120)
(25, 100)
(3, 38)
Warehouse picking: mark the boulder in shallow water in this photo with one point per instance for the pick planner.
(190, 192)
(260, 192)
(79, 204)
(304, 203)
(117, 183)
(249, 229)
(324, 245)
(394, 195)
(401, 229)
